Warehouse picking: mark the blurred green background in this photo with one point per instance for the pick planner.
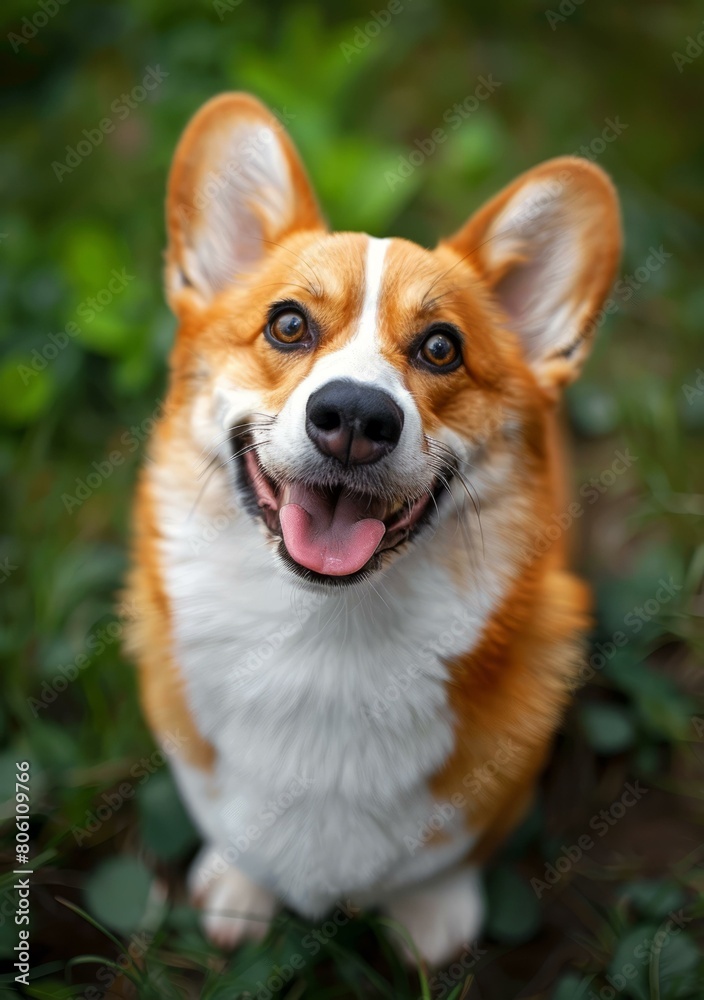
(81, 241)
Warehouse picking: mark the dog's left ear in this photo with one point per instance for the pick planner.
(548, 247)
(236, 188)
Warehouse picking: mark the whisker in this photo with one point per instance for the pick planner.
(243, 451)
(476, 505)
(302, 260)
(225, 436)
(437, 510)
(447, 486)
(238, 454)
(434, 445)
(502, 232)
(266, 422)
(378, 595)
(217, 468)
(202, 491)
(291, 284)
(316, 292)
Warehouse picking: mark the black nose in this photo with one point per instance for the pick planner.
(352, 422)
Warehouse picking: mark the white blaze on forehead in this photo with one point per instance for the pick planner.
(373, 277)
(361, 360)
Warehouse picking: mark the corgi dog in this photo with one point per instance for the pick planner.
(350, 580)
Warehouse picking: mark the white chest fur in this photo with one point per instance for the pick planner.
(328, 711)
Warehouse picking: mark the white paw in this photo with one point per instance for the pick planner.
(234, 909)
(442, 916)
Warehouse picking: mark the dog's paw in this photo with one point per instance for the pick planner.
(234, 909)
(442, 916)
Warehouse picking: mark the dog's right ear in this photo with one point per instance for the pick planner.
(236, 186)
(548, 248)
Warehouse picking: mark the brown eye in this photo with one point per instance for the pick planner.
(440, 350)
(288, 327)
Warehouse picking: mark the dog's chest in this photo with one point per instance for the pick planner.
(328, 711)
(346, 691)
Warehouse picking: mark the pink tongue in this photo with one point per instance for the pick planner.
(327, 536)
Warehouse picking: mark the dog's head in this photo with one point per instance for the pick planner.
(352, 385)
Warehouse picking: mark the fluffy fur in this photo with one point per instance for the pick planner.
(370, 742)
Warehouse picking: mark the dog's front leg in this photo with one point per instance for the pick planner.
(233, 907)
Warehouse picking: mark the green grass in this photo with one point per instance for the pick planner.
(100, 884)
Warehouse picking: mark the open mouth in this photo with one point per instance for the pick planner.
(331, 534)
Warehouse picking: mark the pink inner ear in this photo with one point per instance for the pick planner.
(548, 247)
(516, 293)
(539, 292)
(236, 183)
(516, 287)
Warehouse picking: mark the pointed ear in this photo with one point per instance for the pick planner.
(548, 247)
(236, 185)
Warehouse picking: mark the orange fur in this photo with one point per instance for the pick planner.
(161, 684)
(512, 689)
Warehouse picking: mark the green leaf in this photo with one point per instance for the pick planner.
(514, 911)
(25, 392)
(90, 251)
(50, 989)
(473, 149)
(655, 961)
(661, 709)
(572, 987)
(609, 728)
(108, 333)
(117, 892)
(674, 968)
(630, 961)
(668, 717)
(655, 897)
